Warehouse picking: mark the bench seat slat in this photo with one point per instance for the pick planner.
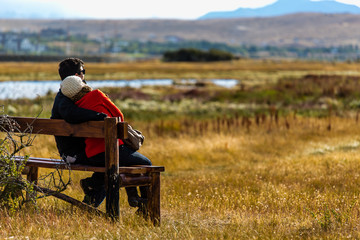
(58, 163)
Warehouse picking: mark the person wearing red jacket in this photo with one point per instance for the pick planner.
(85, 97)
(97, 101)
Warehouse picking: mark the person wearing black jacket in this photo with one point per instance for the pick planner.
(72, 149)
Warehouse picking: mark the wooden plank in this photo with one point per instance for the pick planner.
(32, 176)
(59, 127)
(25, 170)
(112, 168)
(74, 167)
(127, 180)
(68, 199)
(21, 158)
(122, 130)
(147, 168)
(58, 163)
(154, 199)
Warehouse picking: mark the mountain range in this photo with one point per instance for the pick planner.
(283, 7)
(320, 23)
(302, 29)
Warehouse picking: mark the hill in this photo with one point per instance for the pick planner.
(284, 7)
(310, 29)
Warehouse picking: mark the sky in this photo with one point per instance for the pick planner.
(161, 9)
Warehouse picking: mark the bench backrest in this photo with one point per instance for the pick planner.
(111, 129)
(59, 127)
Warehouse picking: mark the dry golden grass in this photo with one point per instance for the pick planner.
(296, 183)
(246, 70)
(262, 182)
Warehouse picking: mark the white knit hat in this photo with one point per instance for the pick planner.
(71, 85)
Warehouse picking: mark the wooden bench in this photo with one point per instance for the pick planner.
(115, 177)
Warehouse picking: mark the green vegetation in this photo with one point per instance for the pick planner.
(248, 71)
(13, 187)
(194, 55)
(310, 95)
(15, 190)
(276, 157)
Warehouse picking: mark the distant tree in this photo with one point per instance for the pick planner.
(195, 55)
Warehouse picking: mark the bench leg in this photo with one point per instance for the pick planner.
(154, 199)
(112, 168)
(32, 177)
(113, 196)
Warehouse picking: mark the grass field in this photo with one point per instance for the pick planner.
(284, 183)
(236, 177)
(249, 71)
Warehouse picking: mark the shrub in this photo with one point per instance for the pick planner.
(14, 189)
(12, 185)
(195, 55)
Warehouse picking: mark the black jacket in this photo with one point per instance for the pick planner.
(66, 109)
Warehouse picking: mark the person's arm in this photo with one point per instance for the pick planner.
(110, 106)
(74, 114)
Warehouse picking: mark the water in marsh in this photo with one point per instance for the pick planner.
(32, 89)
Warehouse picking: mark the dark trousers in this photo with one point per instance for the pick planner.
(127, 157)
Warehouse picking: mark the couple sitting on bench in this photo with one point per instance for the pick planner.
(76, 102)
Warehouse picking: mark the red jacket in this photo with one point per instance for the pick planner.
(99, 102)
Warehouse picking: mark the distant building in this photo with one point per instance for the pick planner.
(11, 43)
(117, 46)
(27, 46)
(173, 39)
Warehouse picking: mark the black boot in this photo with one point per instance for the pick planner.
(142, 210)
(133, 197)
(144, 192)
(94, 194)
